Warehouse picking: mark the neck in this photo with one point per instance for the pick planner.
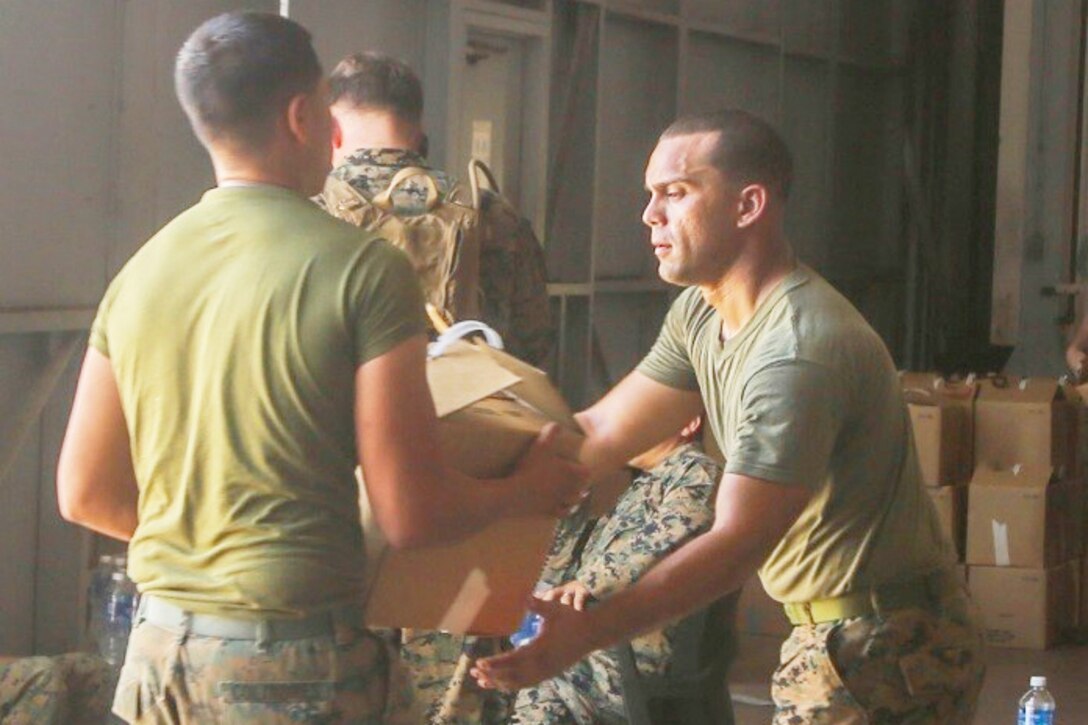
(748, 281)
(374, 130)
(267, 168)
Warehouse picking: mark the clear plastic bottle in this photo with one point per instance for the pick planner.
(120, 606)
(1037, 705)
(98, 591)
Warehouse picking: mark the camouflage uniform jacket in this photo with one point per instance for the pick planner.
(661, 510)
(513, 278)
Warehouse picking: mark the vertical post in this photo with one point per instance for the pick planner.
(1012, 170)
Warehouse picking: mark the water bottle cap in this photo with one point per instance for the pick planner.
(1038, 681)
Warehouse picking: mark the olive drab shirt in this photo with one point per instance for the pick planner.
(235, 334)
(513, 277)
(806, 394)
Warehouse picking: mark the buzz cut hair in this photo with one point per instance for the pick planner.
(748, 149)
(376, 81)
(237, 72)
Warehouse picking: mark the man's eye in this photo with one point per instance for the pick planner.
(674, 194)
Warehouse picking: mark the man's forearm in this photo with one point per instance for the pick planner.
(694, 576)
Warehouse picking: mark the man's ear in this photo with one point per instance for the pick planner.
(337, 133)
(297, 118)
(753, 204)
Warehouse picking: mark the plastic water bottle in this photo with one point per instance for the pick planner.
(97, 592)
(529, 629)
(120, 606)
(1037, 705)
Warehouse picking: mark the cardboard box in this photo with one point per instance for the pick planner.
(951, 505)
(757, 613)
(942, 421)
(490, 407)
(1023, 517)
(1027, 421)
(1025, 608)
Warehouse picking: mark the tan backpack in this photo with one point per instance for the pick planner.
(443, 241)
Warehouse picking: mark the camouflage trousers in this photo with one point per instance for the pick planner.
(71, 689)
(349, 676)
(588, 693)
(908, 666)
(443, 688)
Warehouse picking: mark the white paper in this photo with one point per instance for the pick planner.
(1001, 542)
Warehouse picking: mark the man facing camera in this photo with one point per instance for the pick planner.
(821, 492)
(241, 364)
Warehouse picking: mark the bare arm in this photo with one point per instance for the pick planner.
(416, 499)
(96, 484)
(632, 417)
(752, 515)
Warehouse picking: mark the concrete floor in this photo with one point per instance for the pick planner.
(1007, 675)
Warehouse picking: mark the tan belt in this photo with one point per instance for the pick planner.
(922, 592)
(175, 619)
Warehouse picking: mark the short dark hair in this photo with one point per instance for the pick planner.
(237, 72)
(749, 149)
(378, 81)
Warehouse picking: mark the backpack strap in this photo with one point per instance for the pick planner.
(384, 200)
(476, 168)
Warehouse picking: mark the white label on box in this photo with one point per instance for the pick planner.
(1001, 542)
(467, 604)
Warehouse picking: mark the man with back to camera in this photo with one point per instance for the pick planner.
(377, 106)
(241, 364)
(821, 490)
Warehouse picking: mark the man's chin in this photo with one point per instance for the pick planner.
(671, 276)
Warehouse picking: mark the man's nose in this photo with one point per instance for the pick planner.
(651, 215)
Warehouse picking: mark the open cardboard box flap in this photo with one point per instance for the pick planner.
(1019, 390)
(1016, 477)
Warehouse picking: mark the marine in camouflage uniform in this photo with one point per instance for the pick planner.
(515, 303)
(69, 689)
(513, 277)
(661, 510)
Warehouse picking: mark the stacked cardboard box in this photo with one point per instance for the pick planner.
(1025, 510)
(942, 419)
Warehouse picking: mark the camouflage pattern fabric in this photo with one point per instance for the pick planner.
(444, 690)
(70, 689)
(513, 277)
(918, 666)
(661, 510)
(351, 676)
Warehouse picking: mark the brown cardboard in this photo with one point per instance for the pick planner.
(1083, 594)
(1022, 517)
(942, 421)
(950, 502)
(490, 408)
(1027, 421)
(757, 613)
(1025, 608)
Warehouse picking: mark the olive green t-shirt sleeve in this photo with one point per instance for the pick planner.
(668, 362)
(387, 302)
(98, 338)
(787, 424)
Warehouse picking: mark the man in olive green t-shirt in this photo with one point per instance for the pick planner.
(242, 363)
(821, 491)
